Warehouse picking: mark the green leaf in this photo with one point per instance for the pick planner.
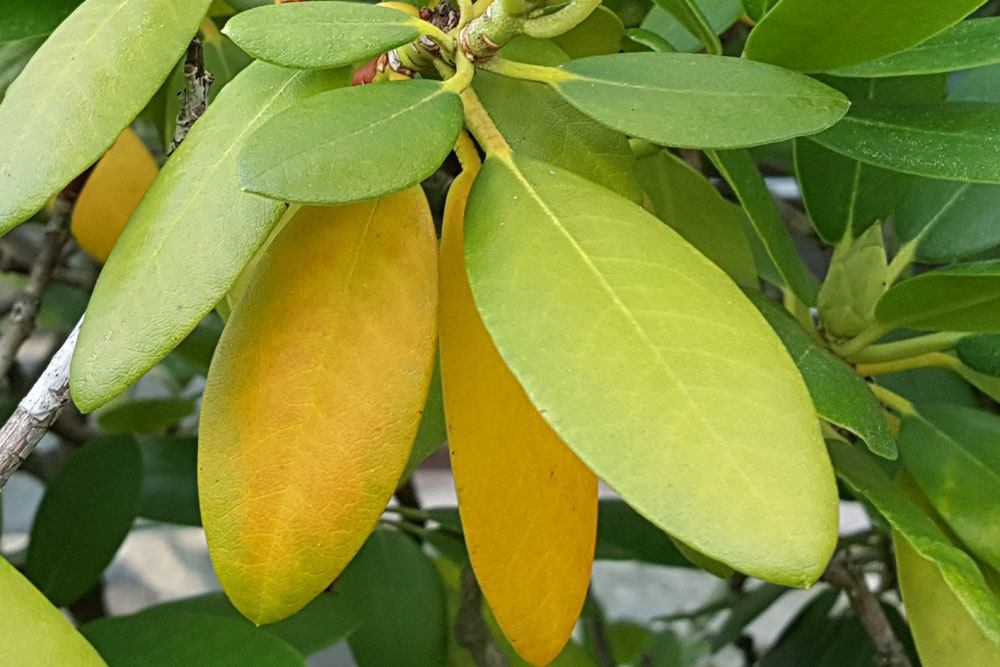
(930, 385)
(841, 193)
(599, 34)
(113, 55)
(948, 220)
(952, 454)
(85, 515)
(432, 432)
(865, 477)
(36, 633)
(14, 57)
(169, 638)
(32, 19)
(981, 352)
(396, 590)
(944, 632)
(325, 621)
(319, 35)
(756, 9)
(690, 15)
(963, 297)
(605, 295)
(979, 85)
(187, 242)
(738, 168)
(807, 637)
(622, 534)
(954, 140)
(855, 281)
(822, 35)
(145, 416)
(170, 480)
(690, 204)
(965, 45)
(698, 101)
(841, 397)
(720, 14)
(648, 39)
(310, 153)
(558, 133)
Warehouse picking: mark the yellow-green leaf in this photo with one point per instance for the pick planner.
(944, 633)
(86, 83)
(303, 439)
(113, 191)
(505, 456)
(34, 632)
(651, 364)
(187, 242)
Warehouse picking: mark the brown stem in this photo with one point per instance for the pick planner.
(842, 573)
(471, 631)
(24, 310)
(194, 97)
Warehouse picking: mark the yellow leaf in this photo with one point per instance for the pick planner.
(314, 397)
(945, 634)
(112, 193)
(528, 505)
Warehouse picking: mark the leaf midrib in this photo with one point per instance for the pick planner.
(620, 305)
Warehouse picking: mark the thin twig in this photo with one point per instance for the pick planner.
(40, 408)
(889, 651)
(471, 631)
(194, 97)
(11, 262)
(24, 310)
(596, 631)
(37, 411)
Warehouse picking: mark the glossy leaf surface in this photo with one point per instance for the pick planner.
(690, 204)
(85, 515)
(841, 397)
(949, 220)
(965, 45)
(841, 193)
(308, 154)
(720, 14)
(32, 19)
(952, 454)
(557, 134)
(963, 297)
(821, 35)
(323, 622)
(170, 480)
(164, 638)
(863, 475)
(108, 50)
(738, 168)
(112, 193)
(594, 268)
(944, 632)
(35, 632)
(155, 289)
(400, 598)
(957, 140)
(318, 35)
(698, 101)
(274, 472)
(980, 352)
(504, 454)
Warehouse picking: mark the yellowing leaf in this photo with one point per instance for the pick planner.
(113, 191)
(33, 631)
(528, 505)
(314, 397)
(653, 367)
(945, 634)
